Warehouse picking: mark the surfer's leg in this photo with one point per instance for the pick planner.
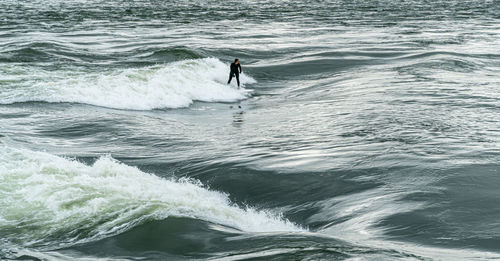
(230, 78)
(238, 79)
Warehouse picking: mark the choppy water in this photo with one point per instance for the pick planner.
(368, 130)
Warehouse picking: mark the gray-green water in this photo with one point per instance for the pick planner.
(368, 130)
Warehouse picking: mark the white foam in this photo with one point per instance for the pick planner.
(173, 85)
(43, 196)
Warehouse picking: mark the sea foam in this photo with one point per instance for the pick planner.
(172, 85)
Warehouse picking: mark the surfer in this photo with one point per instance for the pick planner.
(235, 72)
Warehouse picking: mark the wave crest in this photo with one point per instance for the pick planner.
(173, 85)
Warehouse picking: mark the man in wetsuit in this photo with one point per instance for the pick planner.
(235, 72)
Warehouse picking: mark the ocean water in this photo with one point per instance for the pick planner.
(364, 130)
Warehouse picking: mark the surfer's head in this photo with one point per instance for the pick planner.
(236, 61)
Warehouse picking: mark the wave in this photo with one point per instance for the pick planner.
(63, 52)
(49, 201)
(167, 54)
(174, 85)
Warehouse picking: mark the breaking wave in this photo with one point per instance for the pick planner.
(173, 85)
(51, 201)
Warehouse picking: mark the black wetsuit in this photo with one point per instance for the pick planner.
(235, 72)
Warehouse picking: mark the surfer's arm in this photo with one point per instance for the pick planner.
(239, 66)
